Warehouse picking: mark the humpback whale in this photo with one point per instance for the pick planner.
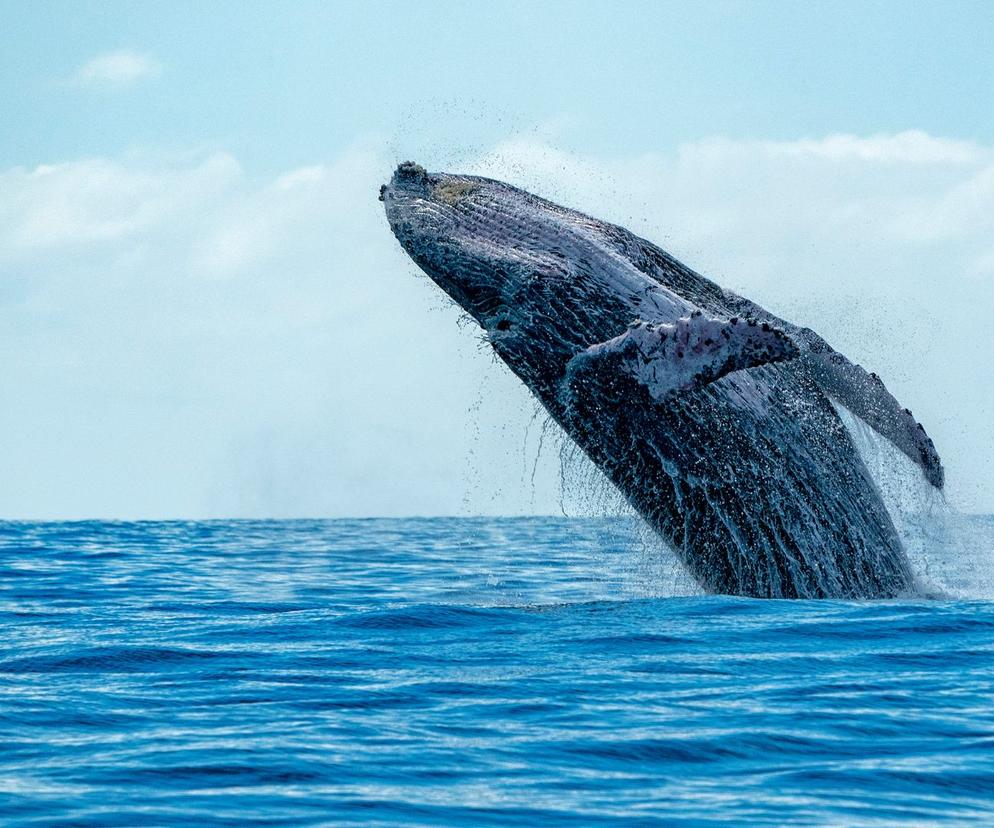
(715, 419)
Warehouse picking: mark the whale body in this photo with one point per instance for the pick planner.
(713, 417)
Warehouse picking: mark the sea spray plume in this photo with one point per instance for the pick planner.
(712, 416)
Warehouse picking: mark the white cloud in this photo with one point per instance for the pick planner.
(99, 200)
(882, 244)
(117, 69)
(183, 339)
(759, 209)
(910, 147)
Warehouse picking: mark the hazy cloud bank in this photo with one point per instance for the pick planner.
(184, 339)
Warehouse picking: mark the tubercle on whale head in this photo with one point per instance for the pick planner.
(489, 246)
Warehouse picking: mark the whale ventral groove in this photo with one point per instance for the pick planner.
(713, 417)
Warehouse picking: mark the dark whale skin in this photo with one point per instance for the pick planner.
(712, 416)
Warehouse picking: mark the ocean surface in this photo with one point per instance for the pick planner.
(475, 672)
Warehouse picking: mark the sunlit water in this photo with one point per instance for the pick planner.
(474, 671)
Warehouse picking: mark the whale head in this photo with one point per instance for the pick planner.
(539, 279)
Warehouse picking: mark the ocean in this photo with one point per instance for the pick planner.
(471, 671)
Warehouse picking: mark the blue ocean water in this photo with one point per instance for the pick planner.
(473, 671)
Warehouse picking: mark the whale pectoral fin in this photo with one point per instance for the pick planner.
(865, 396)
(689, 353)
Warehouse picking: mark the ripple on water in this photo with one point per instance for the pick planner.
(480, 672)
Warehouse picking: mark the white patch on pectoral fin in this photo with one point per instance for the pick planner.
(670, 358)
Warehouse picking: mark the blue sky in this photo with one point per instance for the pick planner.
(202, 312)
(281, 86)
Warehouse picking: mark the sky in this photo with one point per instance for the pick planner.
(204, 314)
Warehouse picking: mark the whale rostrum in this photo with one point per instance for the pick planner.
(713, 417)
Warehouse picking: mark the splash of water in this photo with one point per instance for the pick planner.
(948, 554)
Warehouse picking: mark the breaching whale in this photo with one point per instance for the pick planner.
(713, 417)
